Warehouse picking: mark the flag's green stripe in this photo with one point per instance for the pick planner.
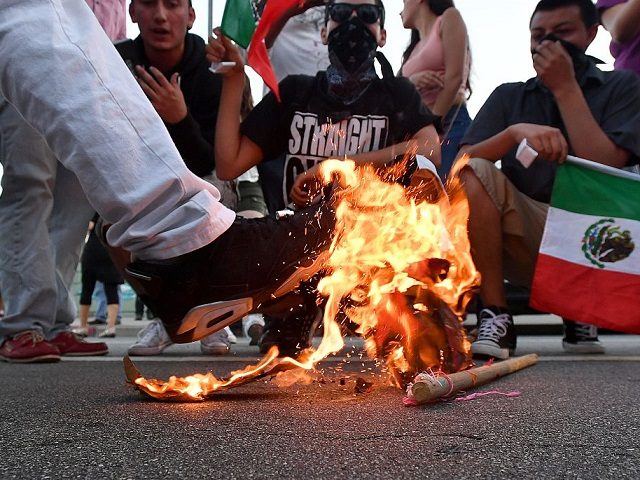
(238, 22)
(583, 190)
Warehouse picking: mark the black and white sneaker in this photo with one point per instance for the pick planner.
(252, 267)
(581, 338)
(291, 334)
(496, 335)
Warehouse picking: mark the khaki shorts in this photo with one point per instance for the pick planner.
(522, 222)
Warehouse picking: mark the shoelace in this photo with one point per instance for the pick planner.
(36, 337)
(585, 331)
(494, 327)
(150, 333)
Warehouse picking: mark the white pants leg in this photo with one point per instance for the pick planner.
(58, 68)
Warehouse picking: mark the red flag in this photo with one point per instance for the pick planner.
(258, 57)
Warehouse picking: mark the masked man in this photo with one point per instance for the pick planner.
(570, 107)
(346, 110)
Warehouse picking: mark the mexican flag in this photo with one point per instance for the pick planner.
(247, 22)
(588, 268)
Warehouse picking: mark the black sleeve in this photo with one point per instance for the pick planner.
(268, 123)
(621, 122)
(196, 149)
(415, 115)
(490, 120)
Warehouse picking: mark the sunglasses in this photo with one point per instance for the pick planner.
(369, 14)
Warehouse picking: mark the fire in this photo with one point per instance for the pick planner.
(400, 268)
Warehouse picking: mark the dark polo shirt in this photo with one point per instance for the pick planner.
(613, 98)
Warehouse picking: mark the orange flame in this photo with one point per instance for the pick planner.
(399, 266)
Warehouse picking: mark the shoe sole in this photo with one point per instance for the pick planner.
(147, 351)
(491, 351)
(206, 319)
(582, 348)
(217, 351)
(85, 354)
(52, 358)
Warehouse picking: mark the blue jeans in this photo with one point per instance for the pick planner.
(456, 125)
(44, 216)
(101, 309)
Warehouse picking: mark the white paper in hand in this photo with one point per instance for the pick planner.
(525, 154)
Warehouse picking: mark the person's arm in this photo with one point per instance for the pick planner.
(234, 152)
(555, 68)
(425, 142)
(279, 24)
(547, 141)
(492, 136)
(622, 21)
(454, 43)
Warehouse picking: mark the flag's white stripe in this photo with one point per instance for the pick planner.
(563, 236)
(598, 167)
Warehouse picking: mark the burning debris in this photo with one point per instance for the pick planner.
(399, 266)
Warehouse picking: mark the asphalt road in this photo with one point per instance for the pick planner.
(576, 417)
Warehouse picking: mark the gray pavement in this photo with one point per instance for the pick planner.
(576, 417)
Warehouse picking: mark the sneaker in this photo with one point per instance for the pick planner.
(496, 335)
(253, 327)
(138, 316)
(108, 333)
(291, 334)
(249, 268)
(81, 331)
(28, 347)
(581, 338)
(74, 346)
(152, 340)
(218, 343)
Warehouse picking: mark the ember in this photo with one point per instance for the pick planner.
(399, 266)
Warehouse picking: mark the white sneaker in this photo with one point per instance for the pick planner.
(152, 340)
(218, 343)
(253, 327)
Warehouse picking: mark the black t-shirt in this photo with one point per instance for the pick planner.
(614, 101)
(309, 125)
(193, 135)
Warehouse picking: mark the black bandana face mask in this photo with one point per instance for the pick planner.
(578, 57)
(352, 47)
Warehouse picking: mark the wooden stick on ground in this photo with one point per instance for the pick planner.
(428, 388)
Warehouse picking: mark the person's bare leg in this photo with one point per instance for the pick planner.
(485, 235)
(83, 313)
(112, 316)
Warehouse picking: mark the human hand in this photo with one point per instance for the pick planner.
(554, 66)
(222, 49)
(306, 187)
(428, 79)
(165, 95)
(547, 141)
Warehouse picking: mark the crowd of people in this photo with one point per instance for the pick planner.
(144, 148)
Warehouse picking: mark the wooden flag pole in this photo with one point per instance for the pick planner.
(428, 388)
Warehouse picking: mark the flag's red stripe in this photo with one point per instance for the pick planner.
(590, 295)
(258, 57)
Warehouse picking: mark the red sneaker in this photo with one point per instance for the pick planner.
(71, 344)
(28, 347)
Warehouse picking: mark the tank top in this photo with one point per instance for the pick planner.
(428, 54)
